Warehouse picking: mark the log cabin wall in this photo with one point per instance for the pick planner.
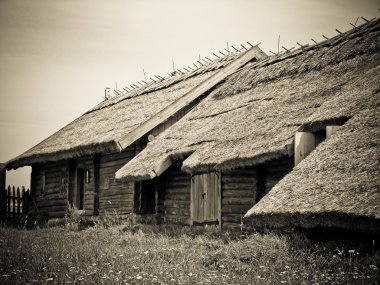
(271, 173)
(115, 196)
(176, 198)
(239, 188)
(49, 188)
(172, 120)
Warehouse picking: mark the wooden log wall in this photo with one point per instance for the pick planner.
(171, 121)
(238, 195)
(115, 196)
(176, 199)
(275, 170)
(48, 193)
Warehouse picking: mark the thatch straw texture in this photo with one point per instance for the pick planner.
(253, 116)
(98, 130)
(340, 179)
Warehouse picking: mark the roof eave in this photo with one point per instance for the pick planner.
(86, 150)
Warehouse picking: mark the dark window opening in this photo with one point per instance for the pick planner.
(145, 197)
(320, 136)
(81, 188)
(261, 189)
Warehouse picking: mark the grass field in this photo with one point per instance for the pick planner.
(165, 255)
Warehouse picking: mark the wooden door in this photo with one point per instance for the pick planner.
(205, 198)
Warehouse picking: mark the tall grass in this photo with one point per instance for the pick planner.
(169, 255)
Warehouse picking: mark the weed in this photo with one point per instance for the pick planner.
(111, 252)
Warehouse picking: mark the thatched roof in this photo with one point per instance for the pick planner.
(99, 129)
(253, 116)
(340, 179)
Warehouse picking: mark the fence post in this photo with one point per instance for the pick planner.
(27, 200)
(18, 202)
(3, 202)
(23, 200)
(13, 201)
(9, 201)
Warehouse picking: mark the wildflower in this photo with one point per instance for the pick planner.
(138, 277)
(146, 252)
(221, 266)
(351, 251)
(373, 267)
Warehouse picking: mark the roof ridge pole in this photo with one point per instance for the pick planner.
(243, 47)
(357, 19)
(365, 19)
(302, 46)
(235, 48)
(144, 74)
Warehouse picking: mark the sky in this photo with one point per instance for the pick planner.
(57, 57)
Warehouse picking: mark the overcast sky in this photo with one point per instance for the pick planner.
(57, 57)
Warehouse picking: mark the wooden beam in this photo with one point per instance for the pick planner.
(166, 113)
(330, 130)
(159, 169)
(304, 145)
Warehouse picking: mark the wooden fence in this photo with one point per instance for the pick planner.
(14, 202)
